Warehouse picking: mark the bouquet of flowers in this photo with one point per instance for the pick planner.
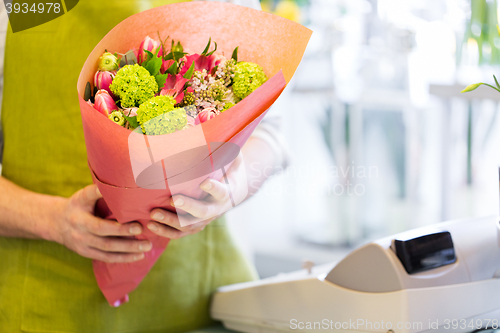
(158, 119)
(163, 92)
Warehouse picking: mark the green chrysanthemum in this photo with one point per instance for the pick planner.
(158, 116)
(117, 117)
(247, 77)
(134, 85)
(108, 62)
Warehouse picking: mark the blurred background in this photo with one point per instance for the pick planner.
(381, 140)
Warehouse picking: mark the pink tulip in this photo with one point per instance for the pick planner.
(201, 62)
(148, 44)
(205, 115)
(103, 79)
(104, 103)
(174, 86)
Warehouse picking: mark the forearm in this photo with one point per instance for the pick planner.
(26, 214)
(70, 222)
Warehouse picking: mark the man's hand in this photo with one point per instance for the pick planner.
(222, 197)
(79, 230)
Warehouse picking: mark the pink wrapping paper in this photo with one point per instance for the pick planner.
(136, 173)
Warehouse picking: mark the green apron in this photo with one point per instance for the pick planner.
(45, 287)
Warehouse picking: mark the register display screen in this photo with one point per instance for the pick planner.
(425, 252)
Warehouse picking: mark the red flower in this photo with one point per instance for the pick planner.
(201, 62)
(174, 86)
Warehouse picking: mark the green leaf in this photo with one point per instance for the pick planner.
(209, 54)
(174, 69)
(175, 55)
(235, 54)
(471, 87)
(149, 55)
(153, 65)
(161, 79)
(132, 121)
(496, 82)
(128, 58)
(88, 92)
(498, 29)
(207, 47)
(189, 73)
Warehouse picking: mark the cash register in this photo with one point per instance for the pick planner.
(440, 278)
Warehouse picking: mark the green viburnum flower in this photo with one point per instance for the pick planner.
(158, 116)
(133, 85)
(227, 106)
(108, 62)
(247, 77)
(117, 117)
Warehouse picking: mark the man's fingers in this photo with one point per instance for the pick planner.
(166, 231)
(110, 257)
(120, 245)
(101, 227)
(216, 189)
(89, 195)
(200, 209)
(165, 217)
(179, 222)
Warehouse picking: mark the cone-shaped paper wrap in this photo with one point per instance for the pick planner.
(136, 173)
